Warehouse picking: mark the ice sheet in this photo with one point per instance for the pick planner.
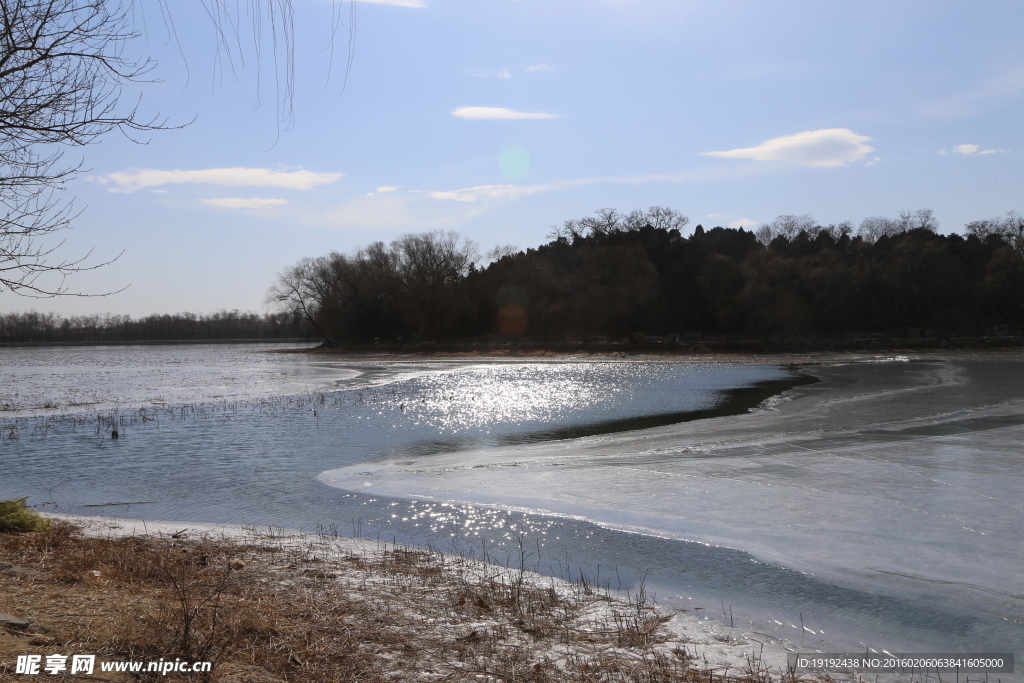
(901, 478)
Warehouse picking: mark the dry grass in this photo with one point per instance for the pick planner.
(264, 610)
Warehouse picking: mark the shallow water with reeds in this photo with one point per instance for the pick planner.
(880, 506)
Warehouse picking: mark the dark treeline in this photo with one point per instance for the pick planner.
(616, 276)
(182, 327)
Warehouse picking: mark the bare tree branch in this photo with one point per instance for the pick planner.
(64, 66)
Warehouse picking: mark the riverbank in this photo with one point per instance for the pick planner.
(149, 342)
(674, 345)
(270, 605)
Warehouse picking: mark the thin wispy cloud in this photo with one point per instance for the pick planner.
(972, 150)
(823, 148)
(243, 202)
(138, 179)
(496, 193)
(392, 208)
(506, 73)
(495, 113)
(500, 74)
(398, 3)
(984, 95)
(739, 223)
(404, 211)
(485, 193)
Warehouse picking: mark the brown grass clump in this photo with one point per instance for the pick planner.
(315, 610)
(14, 516)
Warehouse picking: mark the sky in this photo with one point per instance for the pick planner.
(499, 119)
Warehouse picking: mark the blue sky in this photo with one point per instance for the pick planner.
(501, 118)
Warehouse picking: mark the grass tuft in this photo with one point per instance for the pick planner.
(15, 516)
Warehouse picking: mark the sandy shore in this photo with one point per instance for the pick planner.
(607, 629)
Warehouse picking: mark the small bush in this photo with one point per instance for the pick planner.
(14, 516)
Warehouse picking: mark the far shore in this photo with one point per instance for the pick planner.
(781, 357)
(696, 346)
(673, 347)
(151, 342)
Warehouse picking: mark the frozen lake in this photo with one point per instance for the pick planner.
(881, 505)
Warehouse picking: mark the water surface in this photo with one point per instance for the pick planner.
(881, 506)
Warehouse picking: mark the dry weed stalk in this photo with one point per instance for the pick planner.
(315, 609)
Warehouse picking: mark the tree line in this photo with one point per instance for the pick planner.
(184, 327)
(616, 275)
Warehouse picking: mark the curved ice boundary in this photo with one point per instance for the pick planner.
(898, 477)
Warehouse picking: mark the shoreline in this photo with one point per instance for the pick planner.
(768, 357)
(606, 627)
(150, 342)
(675, 345)
(669, 346)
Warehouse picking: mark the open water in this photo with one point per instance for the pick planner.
(880, 506)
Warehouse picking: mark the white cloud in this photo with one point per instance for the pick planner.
(819, 148)
(394, 211)
(485, 193)
(877, 159)
(537, 67)
(743, 223)
(398, 3)
(481, 113)
(299, 179)
(974, 150)
(500, 74)
(495, 193)
(243, 202)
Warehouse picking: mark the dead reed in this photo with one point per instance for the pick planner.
(315, 609)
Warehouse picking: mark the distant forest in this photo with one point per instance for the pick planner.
(615, 276)
(612, 277)
(181, 327)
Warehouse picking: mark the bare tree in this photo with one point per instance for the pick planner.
(787, 226)
(608, 221)
(64, 65)
(409, 286)
(876, 227)
(433, 259)
(1009, 226)
(308, 290)
(499, 252)
(62, 71)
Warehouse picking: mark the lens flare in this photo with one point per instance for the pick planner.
(512, 318)
(514, 161)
